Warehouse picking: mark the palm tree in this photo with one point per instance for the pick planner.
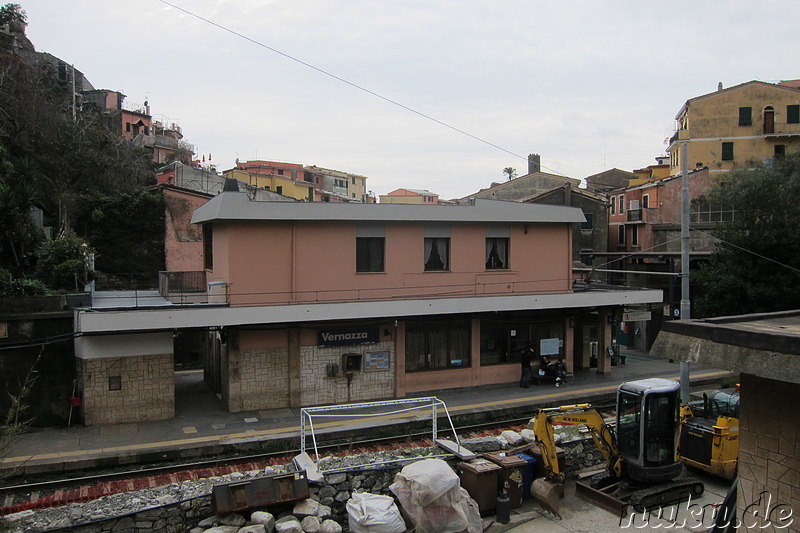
(510, 172)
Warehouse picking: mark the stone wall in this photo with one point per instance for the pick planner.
(258, 379)
(127, 389)
(319, 389)
(769, 468)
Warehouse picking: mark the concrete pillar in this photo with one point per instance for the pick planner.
(569, 344)
(400, 359)
(605, 341)
(475, 350)
(295, 396)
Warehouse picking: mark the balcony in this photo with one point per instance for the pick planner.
(187, 288)
(639, 216)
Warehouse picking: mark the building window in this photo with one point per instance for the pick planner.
(634, 235)
(613, 204)
(621, 234)
(780, 150)
(587, 257)
(727, 151)
(745, 116)
(621, 204)
(793, 114)
(437, 345)
(279, 189)
(437, 251)
(353, 181)
(503, 341)
(114, 382)
(589, 224)
(208, 255)
(128, 126)
(369, 254)
(645, 201)
(280, 172)
(496, 253)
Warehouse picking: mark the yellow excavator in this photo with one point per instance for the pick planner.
(710, 433)
(641, 454)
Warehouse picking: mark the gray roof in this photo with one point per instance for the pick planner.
(237, 206)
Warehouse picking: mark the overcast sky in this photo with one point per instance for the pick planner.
(588, 85)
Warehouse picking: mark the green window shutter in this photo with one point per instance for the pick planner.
(727, 151)
(793, 114)
(745, 116)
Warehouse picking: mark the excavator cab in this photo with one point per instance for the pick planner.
(648, 428)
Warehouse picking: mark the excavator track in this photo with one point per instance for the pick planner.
(666, 494)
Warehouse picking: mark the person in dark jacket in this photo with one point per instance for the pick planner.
(560, 372)
(525, 362)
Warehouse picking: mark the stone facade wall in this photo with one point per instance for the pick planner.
(319, 389)
(258, 379)
(769, 453)
(145, 389)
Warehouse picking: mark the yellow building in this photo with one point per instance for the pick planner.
(737, 127)
(284, 185)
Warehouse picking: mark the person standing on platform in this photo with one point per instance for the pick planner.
(525, 362)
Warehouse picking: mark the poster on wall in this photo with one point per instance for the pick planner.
(376, 361)
(549, 346)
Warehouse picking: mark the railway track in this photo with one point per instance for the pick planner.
(33, 495)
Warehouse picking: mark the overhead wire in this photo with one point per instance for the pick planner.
(351, 84)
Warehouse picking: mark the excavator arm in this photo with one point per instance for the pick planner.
(584, 414)
(550, 489)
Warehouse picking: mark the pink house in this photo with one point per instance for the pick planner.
(325, 303)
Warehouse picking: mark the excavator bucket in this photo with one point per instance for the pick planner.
(548, 494)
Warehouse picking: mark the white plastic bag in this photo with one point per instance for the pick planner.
(432, 500)
(373, 513)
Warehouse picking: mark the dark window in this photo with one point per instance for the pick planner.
(621, 234)
(369, 254)
(280, 172)
(114, 382)
(208, 255)
(127, 126)
(589, 224)
(435, 345)
(621, 204)
(587, 257)
(645, 201)
(634, 236)
(279, 189)
(437, 251)
(727, 151)
(613, 204)
(496, 253)
(745, 116)
(793, 114)
(780, 150)
(354, 181)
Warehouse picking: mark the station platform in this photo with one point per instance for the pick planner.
(203, 428)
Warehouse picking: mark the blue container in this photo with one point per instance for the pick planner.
(528, 474)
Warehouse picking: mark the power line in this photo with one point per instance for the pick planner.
(354, 85)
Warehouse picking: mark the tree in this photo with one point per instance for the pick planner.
(755, 266)
(15, 421)
(510, 172)
(13, 14)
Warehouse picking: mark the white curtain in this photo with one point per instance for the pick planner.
(441, 249)
(501, 247)
(428, 249)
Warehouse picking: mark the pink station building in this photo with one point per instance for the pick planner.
(326, 303)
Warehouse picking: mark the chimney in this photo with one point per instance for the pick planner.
(231, 185)
(534, 163)
(719, 86)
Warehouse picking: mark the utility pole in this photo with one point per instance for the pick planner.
(685, 301)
